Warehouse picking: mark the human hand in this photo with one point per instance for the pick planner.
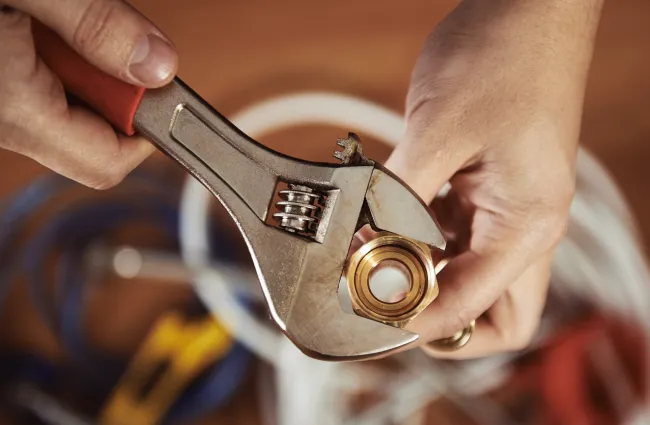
(35, 118)
(494, 108)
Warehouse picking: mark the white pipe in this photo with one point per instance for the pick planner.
(603, 261)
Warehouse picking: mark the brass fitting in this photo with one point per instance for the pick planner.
(410, 255)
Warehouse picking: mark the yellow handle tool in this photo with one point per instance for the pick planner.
(174, 354)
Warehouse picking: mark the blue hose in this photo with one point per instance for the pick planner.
(71, 232)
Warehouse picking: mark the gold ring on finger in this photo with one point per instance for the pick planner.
(456, 341)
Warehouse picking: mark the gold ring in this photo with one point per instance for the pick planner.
(456, 341)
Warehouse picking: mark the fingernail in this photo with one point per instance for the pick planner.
(153, 61)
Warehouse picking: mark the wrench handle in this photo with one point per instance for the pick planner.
(113, 99)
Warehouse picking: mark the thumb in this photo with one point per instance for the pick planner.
(431, 153)
(111, 35)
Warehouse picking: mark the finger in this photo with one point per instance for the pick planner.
(517, 315)
(454, 215)
(111, 35)
(85, 148)
(469, 285)
(512, 322)
(428, 156)
(35, 119)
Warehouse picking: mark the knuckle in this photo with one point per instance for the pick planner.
(4, 109)
(518, 344)
(17, 56)
(94, 26)
(459, 321)
(546, 221)
(12, 18)
(32, 98)
(520, 337)
(554, 225)
(106, 179)
(558, 227)
(519, 341)
(13, 138)
(12, 121)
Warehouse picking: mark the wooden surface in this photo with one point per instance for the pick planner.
(237, 52)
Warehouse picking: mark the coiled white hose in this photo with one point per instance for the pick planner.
(600, 259)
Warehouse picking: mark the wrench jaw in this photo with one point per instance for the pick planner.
(392, 206)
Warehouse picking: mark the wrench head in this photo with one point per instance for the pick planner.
(301, 277)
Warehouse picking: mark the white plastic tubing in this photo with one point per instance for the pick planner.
(600, 259)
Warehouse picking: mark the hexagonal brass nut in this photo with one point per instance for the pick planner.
(414, 256)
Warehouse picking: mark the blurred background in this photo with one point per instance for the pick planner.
(100, 322)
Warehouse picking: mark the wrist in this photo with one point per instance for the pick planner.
(565, 16)
(555, 32)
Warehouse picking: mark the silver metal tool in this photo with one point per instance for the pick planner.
(297, 217)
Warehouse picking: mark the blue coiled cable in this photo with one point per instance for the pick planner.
(72, 231)
(20, 207)
(16, 211)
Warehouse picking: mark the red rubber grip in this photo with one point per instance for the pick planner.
(113, 99)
